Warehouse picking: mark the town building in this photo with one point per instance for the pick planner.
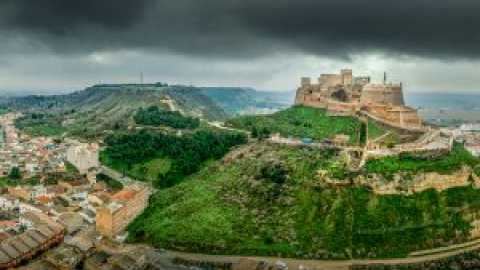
(121, 209)
(43, 234)
(84, 157)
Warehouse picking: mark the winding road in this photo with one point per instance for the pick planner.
(423, 256)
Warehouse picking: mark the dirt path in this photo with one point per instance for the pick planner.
(330, 264)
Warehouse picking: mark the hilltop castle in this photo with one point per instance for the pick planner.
(344, 94)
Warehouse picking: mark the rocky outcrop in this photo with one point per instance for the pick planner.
(406, 183)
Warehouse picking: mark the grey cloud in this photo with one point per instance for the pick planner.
(443, 29)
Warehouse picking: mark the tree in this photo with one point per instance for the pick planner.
(15, 174)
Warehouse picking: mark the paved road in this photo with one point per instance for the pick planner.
(331, 264)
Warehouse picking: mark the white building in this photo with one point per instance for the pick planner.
(470, 127)
(84, 157)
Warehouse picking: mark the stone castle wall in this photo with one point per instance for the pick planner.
(382, 93)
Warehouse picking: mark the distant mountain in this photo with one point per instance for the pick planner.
(240, 101)
(119, 99)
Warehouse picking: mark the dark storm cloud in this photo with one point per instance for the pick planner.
(226, 28)
(59, 17)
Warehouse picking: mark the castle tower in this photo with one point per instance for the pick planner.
(347, 76)
(305, 81)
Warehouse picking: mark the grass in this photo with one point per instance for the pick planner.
(374, 131)
(299, 122)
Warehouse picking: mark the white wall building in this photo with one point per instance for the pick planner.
(84, 157)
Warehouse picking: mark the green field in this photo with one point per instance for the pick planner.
(299, 122)
(235, 207)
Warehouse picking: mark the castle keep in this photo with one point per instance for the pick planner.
(344, 94)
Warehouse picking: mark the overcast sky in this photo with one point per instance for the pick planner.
(64, 45)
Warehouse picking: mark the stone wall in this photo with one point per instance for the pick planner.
(390, 94)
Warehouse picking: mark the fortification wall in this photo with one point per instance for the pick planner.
(327, 80)
(384, 94)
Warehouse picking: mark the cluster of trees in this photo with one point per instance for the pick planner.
(275, 173)
(188, 153)
(154, 116)
(15, 174)
(262, 133)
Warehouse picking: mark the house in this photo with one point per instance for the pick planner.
(65, 257)
(29, 244)
(28, 193)
(44, 200)
(73, 222)
(84, 157)
(9, 202)
(6, 225)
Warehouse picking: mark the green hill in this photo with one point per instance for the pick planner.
(265, 199)
(299, 122)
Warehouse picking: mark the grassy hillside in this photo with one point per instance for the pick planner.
(269, 200)
(300, 121)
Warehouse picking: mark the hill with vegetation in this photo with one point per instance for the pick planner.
(98, 110)
(270, 199)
